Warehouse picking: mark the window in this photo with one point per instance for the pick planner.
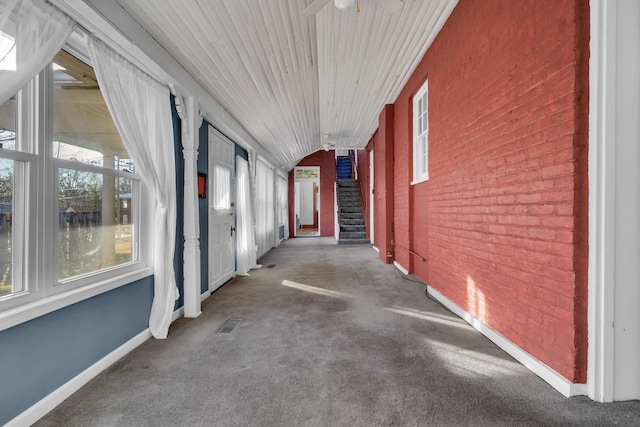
(421, 135)
(66, 177)
(13, 163)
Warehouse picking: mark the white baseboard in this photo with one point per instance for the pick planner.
(557, 381)
(177, 314)
(206, 294)
(401, 268)
(48, 403)
(180, 311)
(376, 249)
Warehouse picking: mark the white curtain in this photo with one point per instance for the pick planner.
(265, 207)
(32, 32)
(140, 109)
(283, 211)
(246, 256)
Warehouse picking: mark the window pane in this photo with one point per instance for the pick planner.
(95, 222)
(6, 240)
(83, 129)
(221, 187)
(8, 124)
(422, 166)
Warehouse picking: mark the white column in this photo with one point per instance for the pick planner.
(191, 121)
(614, 201)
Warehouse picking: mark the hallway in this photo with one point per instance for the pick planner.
(328, 336)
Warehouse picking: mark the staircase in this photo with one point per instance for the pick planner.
(350, 218)
(343, 167)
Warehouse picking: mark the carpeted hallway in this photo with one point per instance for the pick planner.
(328, 336)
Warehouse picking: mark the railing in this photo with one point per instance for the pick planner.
(352, 158)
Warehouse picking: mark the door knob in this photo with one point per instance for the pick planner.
(232, 230)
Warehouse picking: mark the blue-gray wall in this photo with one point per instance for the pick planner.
(38, 356)
(203, 166)
(242, 152)
(178, 258)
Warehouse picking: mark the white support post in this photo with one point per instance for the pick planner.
(614, 201)
(191, 121)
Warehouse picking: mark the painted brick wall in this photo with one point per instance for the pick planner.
(363, 180)
(327, 162)
(384, 177)
(502, 220)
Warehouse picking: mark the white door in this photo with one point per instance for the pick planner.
(221, 210)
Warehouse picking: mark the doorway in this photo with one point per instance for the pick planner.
(307, 201)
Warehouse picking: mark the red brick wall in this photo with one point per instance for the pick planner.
(502, 220)
(327, 163)
(384, 196)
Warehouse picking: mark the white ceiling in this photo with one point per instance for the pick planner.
(290, 79)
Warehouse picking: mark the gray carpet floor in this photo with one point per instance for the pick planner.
(328, 336)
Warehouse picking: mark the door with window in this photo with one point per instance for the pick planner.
(221, 210)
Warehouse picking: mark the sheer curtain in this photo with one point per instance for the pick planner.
(31, 33)
(265, 207)
(140, 109)
(283, 205)
(246, 257)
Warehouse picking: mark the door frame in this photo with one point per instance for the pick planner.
(298, 171)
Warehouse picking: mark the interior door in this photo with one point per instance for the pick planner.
(221, 210)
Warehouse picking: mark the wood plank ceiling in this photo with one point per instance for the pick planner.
(291, 79)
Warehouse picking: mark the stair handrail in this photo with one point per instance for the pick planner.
(352, 158)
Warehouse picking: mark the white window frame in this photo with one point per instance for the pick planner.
(418, 150)
(36, 256)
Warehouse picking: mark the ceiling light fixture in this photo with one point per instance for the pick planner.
(328, 143)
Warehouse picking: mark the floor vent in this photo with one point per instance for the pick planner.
(270, 266)
(228, 326)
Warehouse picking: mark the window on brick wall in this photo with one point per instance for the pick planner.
(421, 135)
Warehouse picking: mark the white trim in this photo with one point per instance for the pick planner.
(42, 306)
(418, 181)
(372, 200)
(600, 370)
(376, 249)
(206, 294)
(336, 227)
(423, 92)
(48, 403)
(613, 371)
(557, 381)
(401, 268)
(180, 311)
(177, 314)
